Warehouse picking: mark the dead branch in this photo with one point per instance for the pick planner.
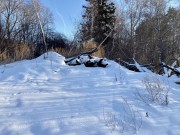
(171, 68)
(88, 52)
(83, 53)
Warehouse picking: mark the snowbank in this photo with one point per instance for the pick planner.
(47, 97)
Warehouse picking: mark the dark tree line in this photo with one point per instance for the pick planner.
(20, 32)
(145, 30)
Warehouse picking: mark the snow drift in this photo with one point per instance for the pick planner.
(48, 97)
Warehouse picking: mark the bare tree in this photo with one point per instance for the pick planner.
(19, 26)
(134, 14)
(10, 16)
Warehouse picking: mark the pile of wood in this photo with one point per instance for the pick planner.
(134, 66)
(87, 60)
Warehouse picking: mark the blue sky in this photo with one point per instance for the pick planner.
(66, 14)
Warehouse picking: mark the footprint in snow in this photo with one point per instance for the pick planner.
(17, 93)
(19, 103)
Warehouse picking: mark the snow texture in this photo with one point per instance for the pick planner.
(48, 97)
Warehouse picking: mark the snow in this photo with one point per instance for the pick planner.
(87, 60)
(178, 69)
(48, 97)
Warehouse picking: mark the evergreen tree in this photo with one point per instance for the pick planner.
(98, 20)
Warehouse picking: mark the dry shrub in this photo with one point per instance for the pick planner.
(66, 52)
(61, 51)
(128, 118)
(90, 44)
(22, 51)
(155, 91)
(73, 51)
(100, 53)
(15, 52)
(4, 56)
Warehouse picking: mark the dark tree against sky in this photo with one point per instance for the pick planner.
(98, 20)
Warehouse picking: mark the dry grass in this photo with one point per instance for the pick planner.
(90, 44)
(66, 52)
(15, 52)
(69, 52)
(22, 51)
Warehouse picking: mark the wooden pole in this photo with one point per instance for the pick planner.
(42, 31)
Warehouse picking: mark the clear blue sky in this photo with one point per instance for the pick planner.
(66, 14)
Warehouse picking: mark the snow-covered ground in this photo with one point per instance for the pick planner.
(47, 97)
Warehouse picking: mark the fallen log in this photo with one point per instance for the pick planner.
(88, 52)
(67, 60)
(175, 63)
(88, 61)
(177, 72)
(134, 67)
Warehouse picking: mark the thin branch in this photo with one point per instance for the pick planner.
(104, 39)
(39, 20)
(90, 51)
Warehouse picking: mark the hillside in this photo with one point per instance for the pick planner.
(47, 97)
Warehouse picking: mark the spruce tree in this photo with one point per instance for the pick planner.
(98, 20)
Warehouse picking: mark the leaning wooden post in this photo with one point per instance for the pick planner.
(42, 31)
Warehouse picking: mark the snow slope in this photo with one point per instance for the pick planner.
(47, 97)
